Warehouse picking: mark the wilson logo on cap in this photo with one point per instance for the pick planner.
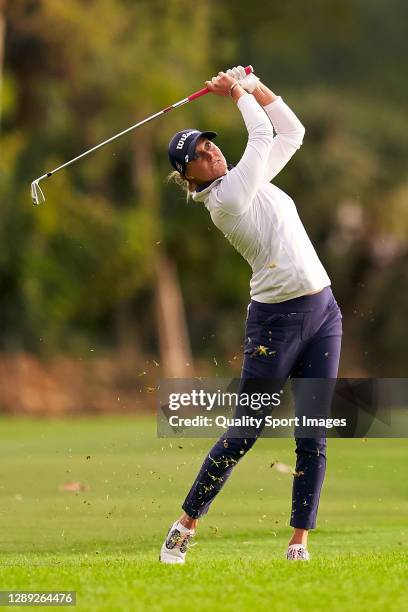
(183, 139)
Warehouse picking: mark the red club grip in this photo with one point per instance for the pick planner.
(205, 90)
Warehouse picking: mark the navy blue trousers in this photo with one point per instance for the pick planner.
(303, 340)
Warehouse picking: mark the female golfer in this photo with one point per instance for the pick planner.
(292, 315)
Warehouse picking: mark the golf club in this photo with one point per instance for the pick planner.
(37, 194)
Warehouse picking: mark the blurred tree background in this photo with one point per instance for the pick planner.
(117, 264)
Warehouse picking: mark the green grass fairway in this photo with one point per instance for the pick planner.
(104, 541)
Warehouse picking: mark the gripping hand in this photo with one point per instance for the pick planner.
(249, 82)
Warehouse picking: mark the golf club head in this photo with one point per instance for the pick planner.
(37, 195)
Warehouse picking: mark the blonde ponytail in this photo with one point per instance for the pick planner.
(179, 179)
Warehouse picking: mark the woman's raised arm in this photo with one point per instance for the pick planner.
(240, 185)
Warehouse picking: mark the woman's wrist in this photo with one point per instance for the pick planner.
(263, 95)
(231, 88)
(236, 91)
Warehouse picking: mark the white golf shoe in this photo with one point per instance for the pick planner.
(176, 543)
(297, 552)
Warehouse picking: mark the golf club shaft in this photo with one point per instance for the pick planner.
(194, 96)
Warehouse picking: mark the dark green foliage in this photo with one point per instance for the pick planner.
(77, 72)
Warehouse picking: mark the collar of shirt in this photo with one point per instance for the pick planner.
(202, 187)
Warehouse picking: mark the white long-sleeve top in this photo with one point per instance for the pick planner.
(259, 219)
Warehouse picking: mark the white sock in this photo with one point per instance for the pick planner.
(296, 546)
(183, 529)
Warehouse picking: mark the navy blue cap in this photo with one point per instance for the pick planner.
(182, 147)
